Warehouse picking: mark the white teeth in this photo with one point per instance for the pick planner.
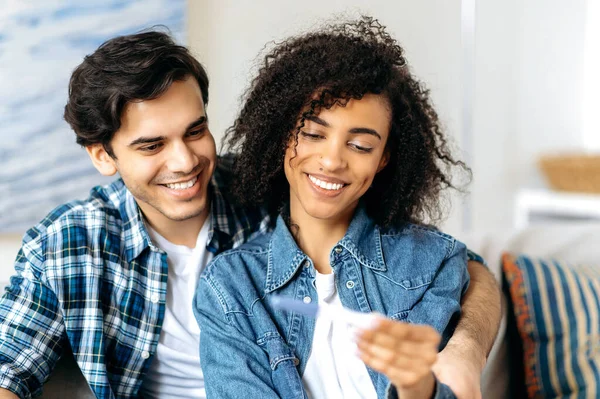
(325, 185)
(182, 186)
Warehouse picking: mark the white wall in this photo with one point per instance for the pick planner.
(528, 97)
(9, 246)
(227, 36)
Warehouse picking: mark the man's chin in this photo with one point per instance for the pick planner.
(183, 216)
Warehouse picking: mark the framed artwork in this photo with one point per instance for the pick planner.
(41, 42)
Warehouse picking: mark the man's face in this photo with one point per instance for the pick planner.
(165, 154)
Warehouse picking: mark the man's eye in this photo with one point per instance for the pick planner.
(150, 148)
(196, 133)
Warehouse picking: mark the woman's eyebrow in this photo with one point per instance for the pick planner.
(317, 120)
(355, 130)
(365, 130)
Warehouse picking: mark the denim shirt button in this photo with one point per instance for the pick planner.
(338, 250)
(307, 299)
(350, 284)
(296, 361)
(306, 264)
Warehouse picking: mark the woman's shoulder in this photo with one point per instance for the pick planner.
(244, 264)
(424, 238)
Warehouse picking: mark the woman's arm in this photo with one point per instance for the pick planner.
(461, 362)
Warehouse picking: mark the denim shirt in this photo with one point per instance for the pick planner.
(250, 350)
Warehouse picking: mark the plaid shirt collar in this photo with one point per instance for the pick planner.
(228, 228)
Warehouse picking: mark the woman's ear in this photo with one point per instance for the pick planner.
(385, 158)
(102, 160)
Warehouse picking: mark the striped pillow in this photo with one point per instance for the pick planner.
(557, 313)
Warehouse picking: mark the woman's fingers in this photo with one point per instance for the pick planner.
(404, 352)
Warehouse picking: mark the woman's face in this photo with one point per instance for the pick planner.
(338, 154)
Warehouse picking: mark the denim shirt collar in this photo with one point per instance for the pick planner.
(362, 241)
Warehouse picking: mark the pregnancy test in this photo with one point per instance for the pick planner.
(353, 318)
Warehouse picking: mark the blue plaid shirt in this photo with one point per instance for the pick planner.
(89, 278)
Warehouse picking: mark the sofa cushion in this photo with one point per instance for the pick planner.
(556, 308)
(575, 242)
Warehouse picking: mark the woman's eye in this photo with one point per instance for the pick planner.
(310, 136)
(361, 148)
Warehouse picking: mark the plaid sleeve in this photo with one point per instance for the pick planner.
(31, 326)
(476, 257)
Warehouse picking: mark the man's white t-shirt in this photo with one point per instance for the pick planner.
(334, 370)
(175, 370)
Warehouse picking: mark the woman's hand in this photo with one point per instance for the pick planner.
(403, 352)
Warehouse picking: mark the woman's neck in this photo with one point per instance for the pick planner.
(316, 237)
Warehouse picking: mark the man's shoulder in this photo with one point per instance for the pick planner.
(103, 207)
(223, 174)
(240, 223)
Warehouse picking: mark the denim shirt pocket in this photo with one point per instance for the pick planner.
(404, 292)
(417, 282)
(283, 363)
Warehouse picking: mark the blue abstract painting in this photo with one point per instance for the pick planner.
(41, 42)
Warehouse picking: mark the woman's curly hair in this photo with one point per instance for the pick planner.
(340, 62)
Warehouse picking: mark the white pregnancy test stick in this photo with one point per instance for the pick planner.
(359, 320)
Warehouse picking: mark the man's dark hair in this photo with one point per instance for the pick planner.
(128, 68)
(330, 66)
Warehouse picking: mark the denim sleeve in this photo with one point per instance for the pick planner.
(441, 391)
(476, 257)
(31, 325)
(233, 365)
(439, 306)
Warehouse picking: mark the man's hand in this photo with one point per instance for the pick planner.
(462, 375)
(403, 352)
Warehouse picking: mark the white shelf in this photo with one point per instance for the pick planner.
(551, 203)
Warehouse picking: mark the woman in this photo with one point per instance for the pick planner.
(341, 141)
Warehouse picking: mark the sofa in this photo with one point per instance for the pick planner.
(576, 243)
(567, 245)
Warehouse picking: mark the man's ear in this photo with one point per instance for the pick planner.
(103, 162)
(385, 158)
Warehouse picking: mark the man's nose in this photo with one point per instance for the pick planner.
(181, 158)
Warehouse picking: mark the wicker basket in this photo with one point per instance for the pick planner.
(576, 172)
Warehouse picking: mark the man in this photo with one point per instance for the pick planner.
(111, 278)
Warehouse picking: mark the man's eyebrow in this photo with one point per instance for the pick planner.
(149, 140)
(200, 121)
(365, 130)
(145, 140)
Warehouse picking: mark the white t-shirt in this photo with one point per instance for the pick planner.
(334, 370)
(175, 370)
